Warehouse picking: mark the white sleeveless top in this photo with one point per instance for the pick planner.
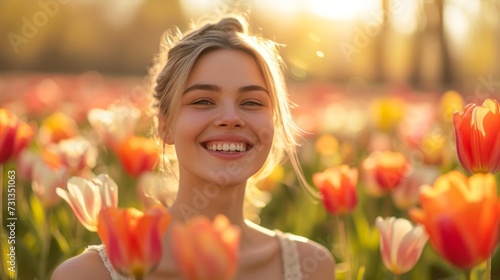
(289, 255)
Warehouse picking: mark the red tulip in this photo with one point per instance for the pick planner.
(204, 250)
(15, 135)
(387, 169)
(477, 137)
(461, 216)
(133, 239)
(338, 188)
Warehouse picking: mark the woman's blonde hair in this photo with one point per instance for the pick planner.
(178, 56)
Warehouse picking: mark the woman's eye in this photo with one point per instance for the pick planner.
(202, 102)
(252, 103)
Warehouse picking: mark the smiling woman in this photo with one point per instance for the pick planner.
(221, 102)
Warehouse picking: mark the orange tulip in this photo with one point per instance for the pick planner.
(461, 216)
(401, 243)
(206, 250)
(133, 239)
(15, 135)
(138, 154)
(338, 188)
(387, 168)
(477, 137)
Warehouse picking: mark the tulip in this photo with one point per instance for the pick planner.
(45, 180)
(77, 154)
(401, 243)
(87, 197)
(153, 188)
(461, 216)
(15, 135)
(338, 189)
(133, 239)
(138, 154)
(416, 124)
(477, 137)
(451, 102)
(116, 124)
(386, 168)
(56, 127)
(205, 250)
(387, 112)
(407, 194)
(26, 160)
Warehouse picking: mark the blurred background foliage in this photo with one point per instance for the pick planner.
(428, 44)
(361, 71)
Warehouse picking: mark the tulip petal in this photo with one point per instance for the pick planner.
(455, 249)
(410, 249)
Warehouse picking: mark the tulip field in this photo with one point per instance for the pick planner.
(407, 181)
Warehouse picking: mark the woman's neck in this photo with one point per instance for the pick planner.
(209, 200)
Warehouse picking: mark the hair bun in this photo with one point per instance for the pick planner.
(232, 24)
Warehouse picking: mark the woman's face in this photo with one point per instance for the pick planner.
(224, 128)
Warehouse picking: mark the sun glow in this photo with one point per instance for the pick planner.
(342, 10)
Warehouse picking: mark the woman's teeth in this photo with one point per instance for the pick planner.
(227, 147)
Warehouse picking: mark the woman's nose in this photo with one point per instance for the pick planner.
(229, 117)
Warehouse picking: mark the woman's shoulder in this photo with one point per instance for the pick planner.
(87, 265)
(316, 260)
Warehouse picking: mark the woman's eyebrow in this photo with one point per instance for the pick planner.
(215, 88)
(253, 88)
(208, 87)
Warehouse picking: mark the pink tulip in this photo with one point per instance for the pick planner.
(155, 188)
(25, 163)
(88, 197)
(133, 239)
(408, 193)
(45, 180)
(77, 154)
(205, 250)
(401, 243)
(116, 124)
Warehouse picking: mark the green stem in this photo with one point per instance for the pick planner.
(46, 245)
(396, 276)
(468, 275)
(487, 272)
(344, 245)
(1, 193)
